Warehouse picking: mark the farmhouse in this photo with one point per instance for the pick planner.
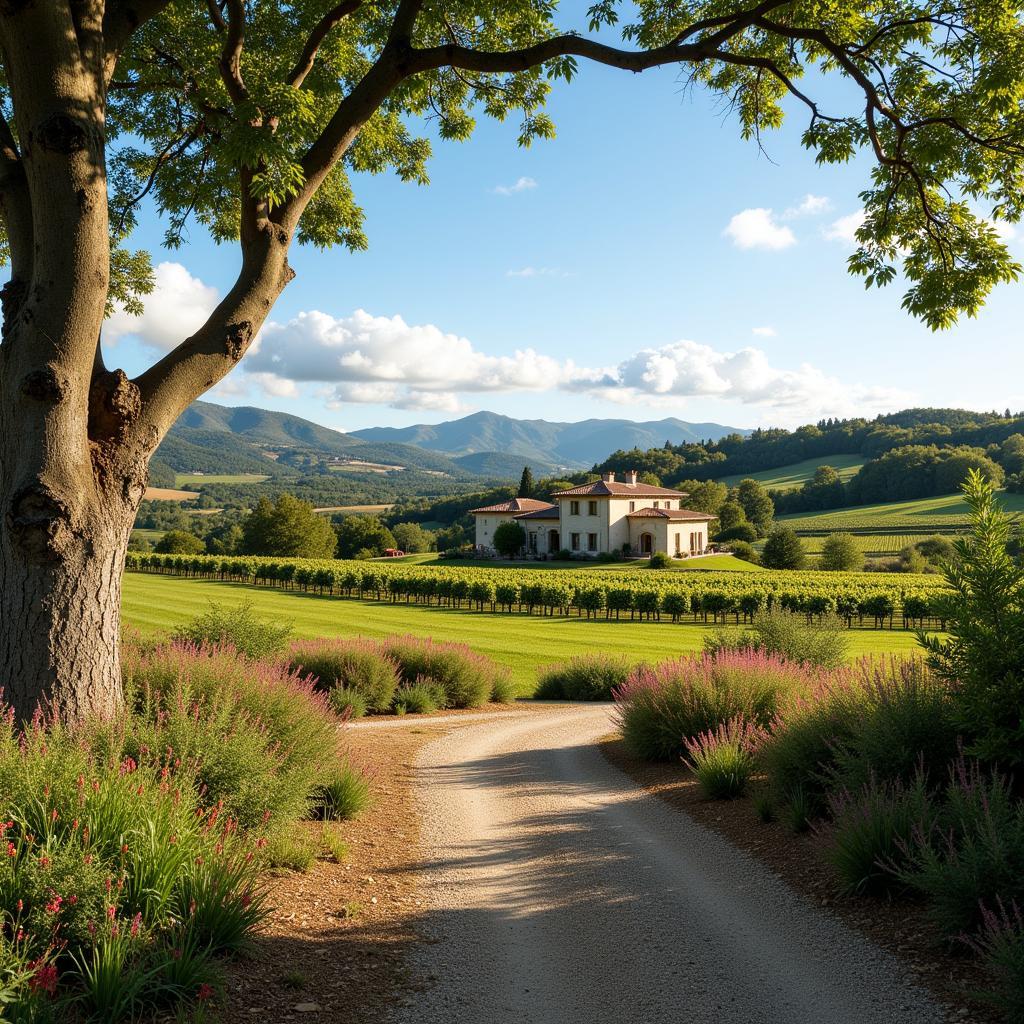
(604, 516)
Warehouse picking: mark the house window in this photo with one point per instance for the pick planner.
(680, 503)
(591, 541)
(678, 548)
(632, 506)
(574, 508)
(656, 504)
(575, 542)
(591, 508)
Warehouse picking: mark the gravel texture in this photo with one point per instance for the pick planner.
(558, 891)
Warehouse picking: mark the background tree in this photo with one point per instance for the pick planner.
(757, 504)
(451, 537)
(363, 533)
(526, 485)
(178, 542)
(250, 118)
(288, 528)
(783, 550)
(509, 539)
(706, 496)
(412, 537)
(840, 553)
(730, 515)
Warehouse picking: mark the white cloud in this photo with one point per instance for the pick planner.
(845, 228)
(537, 272)
(758, 229)
(688, 369)
(810, 206)
(764, 332)
(522, 184)
(177, 307)
(385, 360)
(1006, 232)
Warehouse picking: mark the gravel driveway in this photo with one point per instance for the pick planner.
(561, 893)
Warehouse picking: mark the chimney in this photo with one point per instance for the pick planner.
(608, 478)
(631, 478)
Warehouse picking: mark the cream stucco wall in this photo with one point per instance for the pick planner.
(487, 524)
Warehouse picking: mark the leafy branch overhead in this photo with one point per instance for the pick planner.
(242, 113)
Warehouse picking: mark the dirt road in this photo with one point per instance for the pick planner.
(561, 893)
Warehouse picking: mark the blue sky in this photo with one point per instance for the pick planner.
(595, 275)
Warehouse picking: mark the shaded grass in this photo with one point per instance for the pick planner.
(524, 643)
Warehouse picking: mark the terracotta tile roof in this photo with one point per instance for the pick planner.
(617, 489)
(548, 512)
(515, 505)
(675, 514)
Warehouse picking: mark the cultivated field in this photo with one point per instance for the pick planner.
(198, 479)
(720, 563)
(787, 478)
(874, 545)
(169, 494)
(524, 643)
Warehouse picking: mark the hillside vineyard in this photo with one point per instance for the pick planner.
(881, 600)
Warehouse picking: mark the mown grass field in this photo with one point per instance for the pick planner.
(153, 604)
(786, 478)
(198, 479)
(921, 516)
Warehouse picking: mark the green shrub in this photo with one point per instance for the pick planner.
(724, 759)
(659, 560)
(783, 550)
(899, 720)
(258, 737)
(585, 677)
(238, 627)
(659, 708)
(983, 656)
(744, 550)
(344, 795)
(347, 703)
(975, 856)
(292, 850)
(1001, 947)
(822, 642)
(873, 828)
(420, 698)
(503, 687)
(355, 664)
(466, 678)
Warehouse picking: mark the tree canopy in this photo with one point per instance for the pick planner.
(289, 528)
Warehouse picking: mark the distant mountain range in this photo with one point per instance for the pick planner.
(216, 439)
(543, 443)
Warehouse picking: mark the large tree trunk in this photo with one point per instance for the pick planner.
(67, 517)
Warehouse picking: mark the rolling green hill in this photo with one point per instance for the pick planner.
(925, 515)
(787, 478)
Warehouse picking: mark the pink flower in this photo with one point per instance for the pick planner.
(204, 992)
(44, 978)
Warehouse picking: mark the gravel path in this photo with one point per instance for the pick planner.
(561, 893)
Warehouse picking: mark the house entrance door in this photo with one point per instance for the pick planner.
(646, 543)
(553, 542)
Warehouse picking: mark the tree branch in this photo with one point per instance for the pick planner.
(323, 27)
(231, 54)
(121, 20)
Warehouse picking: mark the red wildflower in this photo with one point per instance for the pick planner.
(204, 992)
(44, 978)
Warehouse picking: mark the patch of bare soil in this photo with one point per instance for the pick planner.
(332, 949)
(801, 860)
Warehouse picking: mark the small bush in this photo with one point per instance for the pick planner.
(745, 551)
(975, 855)
(659, 560)
(292, 850)
(344, 795)
(822, 642)
(420, 698)
(585, 677)
(872, 829)
(1001, 946)
(467, 678)
(723, 760)
(659, 708)
(899, 720)
(354, 664)
(238, 627)
(348, 703)
(503, 687)
(258, 738)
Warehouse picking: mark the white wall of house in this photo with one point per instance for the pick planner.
(487, 524)
(586, 519)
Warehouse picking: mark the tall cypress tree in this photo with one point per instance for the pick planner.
(526, 483)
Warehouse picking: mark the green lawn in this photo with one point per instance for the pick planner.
(786, 478)
(949, 511)
(722, 563)
(197, 479)
(525, 643)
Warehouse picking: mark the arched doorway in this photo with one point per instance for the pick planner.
(553, 541)
(646, 543)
